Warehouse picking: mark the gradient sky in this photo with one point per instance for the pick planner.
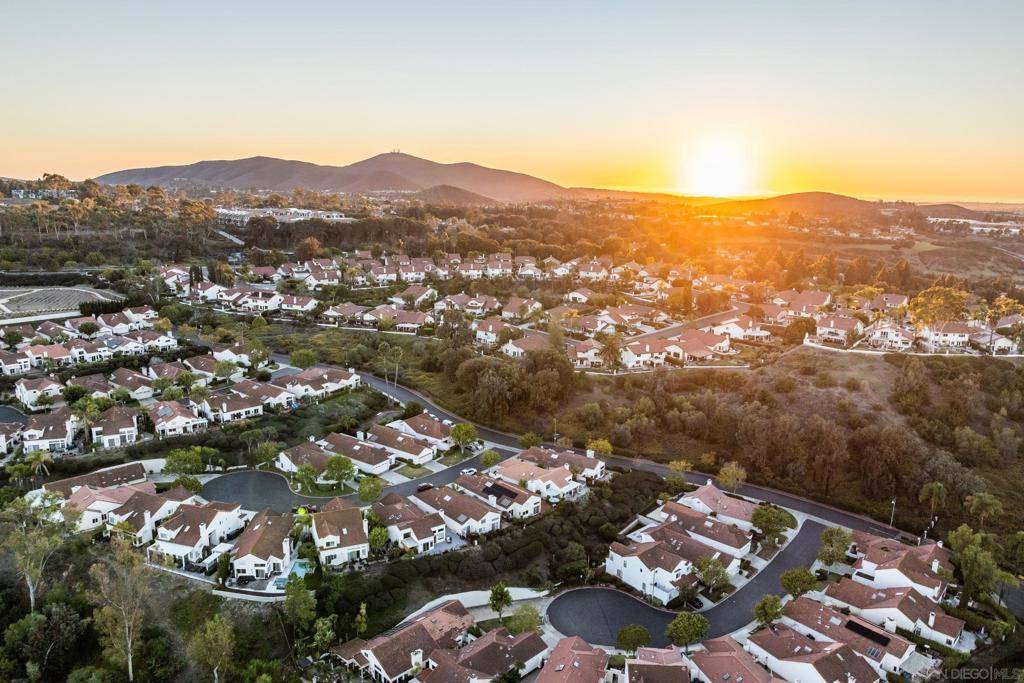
(916, 100)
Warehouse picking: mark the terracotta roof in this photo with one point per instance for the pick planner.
(392, 438)
(573, 660)
(834, 662)
(907, 601)
(264, 536)
(696, 523)
(864, 638)
(345, 523)
(354, 449)
(425, 425)
(115, 476)
(722, 504)
(724, 659)
(455, 504)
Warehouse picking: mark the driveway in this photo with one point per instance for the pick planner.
(597, 614)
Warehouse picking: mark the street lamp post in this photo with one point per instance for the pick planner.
(892, 517)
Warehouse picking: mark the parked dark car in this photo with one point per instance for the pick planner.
(424, 487)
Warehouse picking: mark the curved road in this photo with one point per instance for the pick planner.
(573, 615)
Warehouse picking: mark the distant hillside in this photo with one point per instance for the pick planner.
(954, 211)
(806, 203)
(384, 172)
(599, 193)
(449, 194)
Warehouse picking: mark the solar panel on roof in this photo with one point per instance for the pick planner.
(870, 634)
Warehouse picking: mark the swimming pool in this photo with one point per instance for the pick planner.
(299, 568)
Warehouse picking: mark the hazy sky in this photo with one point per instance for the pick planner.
(914, 100)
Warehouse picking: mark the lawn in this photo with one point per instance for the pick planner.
(454, 458)
(412, 471)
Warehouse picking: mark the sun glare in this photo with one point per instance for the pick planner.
(718, 168)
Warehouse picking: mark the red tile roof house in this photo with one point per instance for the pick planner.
(518, 348)
(115, 427)
(93, 504)
(885, 652)
(143, 511)
(711, 531)
(893, 608)
(231, 407)
(368, 458)
(399, 654)
(14, 363)
(573, 660)
(121, 475)
(711, 500)
(408, 526)
(402, 446)
(427, 428)
(53, 432)
(138, 385)
(584, 467)
(838, 328)
(494, 653)
(513, 501)
(269, 395)
(173, 418)
(265, 547)
(188, 535)
(28, 390)
(553, 484)
(724, 659)
(340, 536)
(656, 665)
(462, 513)
(948, 335)
(306, 453)
(793, 656)
(318, 382)
(887, 563)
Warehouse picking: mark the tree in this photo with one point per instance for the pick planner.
(489, 458)
(768, 609)
(798, 581)
(687, 628)
(680, 466)
(46, 640)
(529, 440)
(772, 521)
(983, 505)
(711, 572)
(323, 634)
(732, 475)
(933, 493)
(306, 475)
(33, 533)
(224, 368)
(265, 453)
(500, 598)
(299, 604)
(464, 434)
(39, 461)
(88, 329)
(600, 447)
(187, 481)
(834, 544)
(12, 337)
(308, 249)
(378, 538)
(359, 621)
(370, 489)
(339, 469)
(610, 352)
(188, 460)
(213, 646)
(938, 304)
(74, 392)
(632, 637)
(303, 358)
(525, 618)
(122, 591)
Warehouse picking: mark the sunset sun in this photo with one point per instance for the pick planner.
(719, 168)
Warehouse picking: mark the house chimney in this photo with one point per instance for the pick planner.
(935, 565)
(890, 625)
(590, 452)
(709, 481)
(361, 435)
(312, 438)
(938, 543)
(931, 619)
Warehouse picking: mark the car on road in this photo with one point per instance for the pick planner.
(424, 487)
(477, 446)
(468, 471)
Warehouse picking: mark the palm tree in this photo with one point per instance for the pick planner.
(39, 461)
(610, 353)
(983, 505)
(933, 493)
